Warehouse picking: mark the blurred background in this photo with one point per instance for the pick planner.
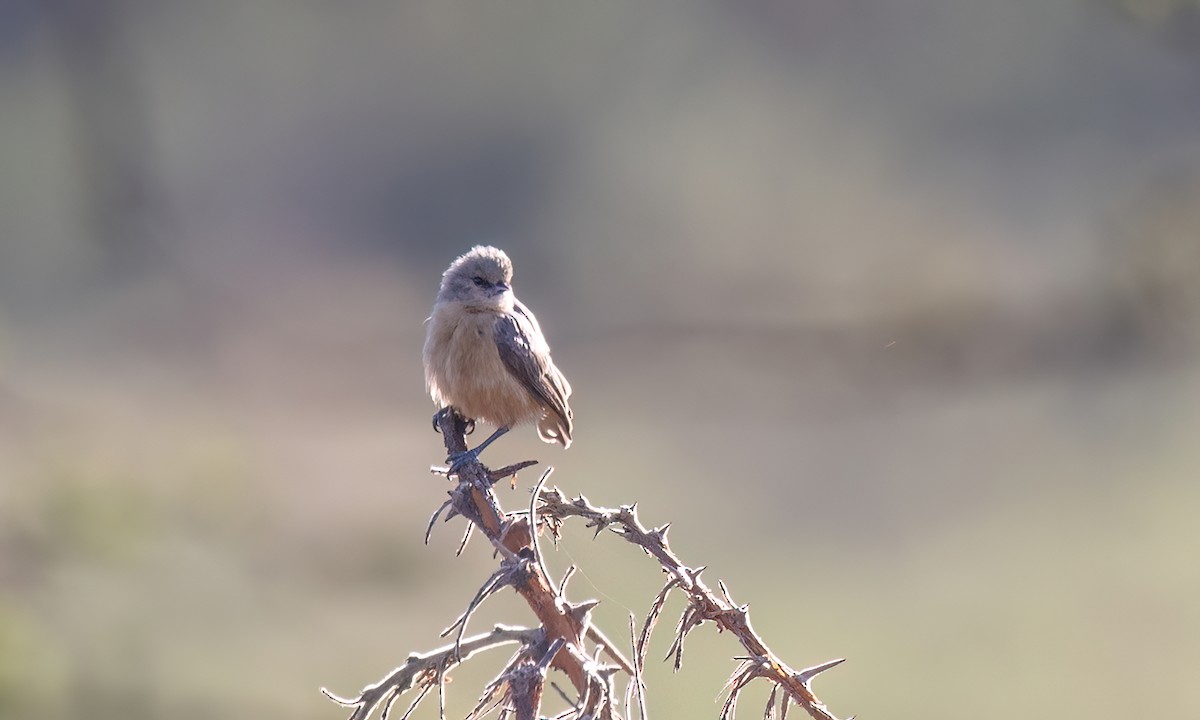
(892, 309)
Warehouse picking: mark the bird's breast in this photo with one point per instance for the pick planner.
(464, 369)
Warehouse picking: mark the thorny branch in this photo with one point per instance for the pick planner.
(560, 641)
(564, 626)
(429, 670)
(703, 606)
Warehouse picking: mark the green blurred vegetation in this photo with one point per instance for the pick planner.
(891, 309)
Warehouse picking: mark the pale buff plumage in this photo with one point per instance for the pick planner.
(485, 355)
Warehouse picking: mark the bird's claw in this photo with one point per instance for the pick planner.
(449, 411)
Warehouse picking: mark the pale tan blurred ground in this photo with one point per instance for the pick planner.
(891, 311)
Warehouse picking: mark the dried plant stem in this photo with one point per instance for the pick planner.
(424, 669)
(565, 627)
(703, 604)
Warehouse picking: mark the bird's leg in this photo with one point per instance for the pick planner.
(457, 460)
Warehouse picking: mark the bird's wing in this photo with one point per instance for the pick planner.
(527, 356)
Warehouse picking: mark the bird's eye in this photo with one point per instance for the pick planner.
(479, 282)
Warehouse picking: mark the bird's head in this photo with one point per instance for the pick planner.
(480, 279)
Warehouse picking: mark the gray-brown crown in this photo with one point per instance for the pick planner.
(486, 261)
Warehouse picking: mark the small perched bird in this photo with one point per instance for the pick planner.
(485, 356)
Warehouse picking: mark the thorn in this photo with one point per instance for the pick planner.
(466, 536)
(344, 702)
(806, 675)
(661, 532)
(769, 712)
(581, 610)
(433, 520)
(495, 476)
(725, 592)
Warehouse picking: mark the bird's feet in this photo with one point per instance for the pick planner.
(449, 413)
(459, 459)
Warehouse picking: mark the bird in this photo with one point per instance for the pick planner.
(485, 356)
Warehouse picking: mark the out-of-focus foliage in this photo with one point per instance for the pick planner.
(1161, 12)
(1157, 258)
(909, 293)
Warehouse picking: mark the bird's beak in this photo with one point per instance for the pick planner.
(502, 287)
